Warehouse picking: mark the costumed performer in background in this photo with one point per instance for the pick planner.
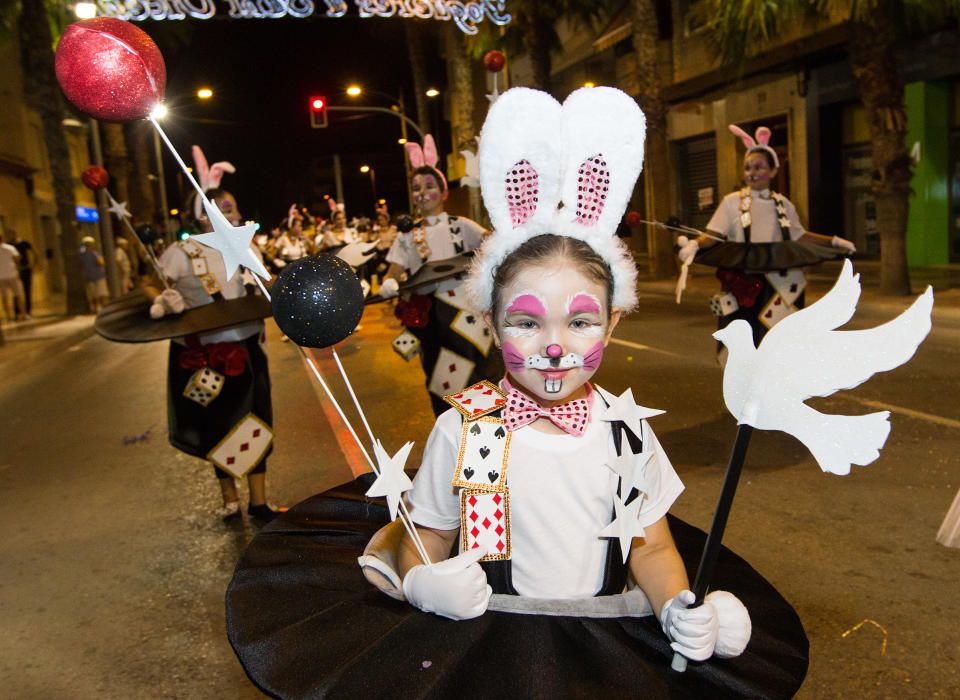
(757, 214)
(454, 342)
(545, 457)
(218, 383)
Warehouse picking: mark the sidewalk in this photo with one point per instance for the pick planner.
(23, 339)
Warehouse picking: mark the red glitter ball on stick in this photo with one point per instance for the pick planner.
(95, 177)
(110, 69)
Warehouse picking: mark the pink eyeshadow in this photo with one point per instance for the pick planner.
(526, 304)
(584, 303)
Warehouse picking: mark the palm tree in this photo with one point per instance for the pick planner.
(43, 95)
(740, 29)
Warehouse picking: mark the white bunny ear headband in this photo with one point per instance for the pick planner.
(567, 170)
(426, 156)
(209, 176)
(760, 143)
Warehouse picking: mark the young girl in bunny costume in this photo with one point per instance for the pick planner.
(455, 345)
(555, 489)
(757, 214)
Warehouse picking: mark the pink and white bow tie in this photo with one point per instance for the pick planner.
(571, 417)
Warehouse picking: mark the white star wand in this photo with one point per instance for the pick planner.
(119, 210)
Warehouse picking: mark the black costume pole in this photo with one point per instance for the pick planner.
(711, 549)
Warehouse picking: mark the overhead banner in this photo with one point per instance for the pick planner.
(466, 15)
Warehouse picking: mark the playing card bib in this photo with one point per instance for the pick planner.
(481, 471)
(789, 285)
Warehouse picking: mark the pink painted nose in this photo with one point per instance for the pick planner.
(554, 350)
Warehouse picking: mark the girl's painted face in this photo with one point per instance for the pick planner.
(427, 194)
(757, 171)
(552, 327)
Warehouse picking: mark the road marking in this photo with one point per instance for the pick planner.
(919, 415)
(638, 346)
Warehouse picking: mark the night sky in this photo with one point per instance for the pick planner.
(263, 73)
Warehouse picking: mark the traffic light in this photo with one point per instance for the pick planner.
(318, 112)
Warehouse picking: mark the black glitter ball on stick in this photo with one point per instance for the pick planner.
(317, 301)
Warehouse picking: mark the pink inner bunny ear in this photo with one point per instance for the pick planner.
(763, 135)
(522, 189)
(415, 153)
(593, 183)
(200, 161)
(430, 156)
(742, 135)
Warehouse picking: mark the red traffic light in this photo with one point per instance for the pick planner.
(318, 112)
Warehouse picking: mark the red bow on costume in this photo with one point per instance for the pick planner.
(227, 358)
(415, 311)
(746, 288)
(571, 417)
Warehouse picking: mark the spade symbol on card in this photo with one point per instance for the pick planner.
(500, 432)
(493, 476)
(475, 429)
(471, 319)
(793, 288)
(468, 472)
(484, 452)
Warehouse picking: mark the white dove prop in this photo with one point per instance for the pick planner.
(804, 356)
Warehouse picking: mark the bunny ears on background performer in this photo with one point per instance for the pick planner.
(426, 157)
(536, 155)
(760, 143)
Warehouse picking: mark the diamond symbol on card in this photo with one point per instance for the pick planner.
(472, 500)
(451, 293)
(499, 529)
(453, 367)
(500, 545)
(256, 433)
(446, 385)
(230, 460)
(496, 498)
(497, 514)
(474, 531)
(244, 447)
(474, 516)
(486, 523)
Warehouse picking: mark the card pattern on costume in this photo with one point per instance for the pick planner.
(485, 521)
(789, 283)
(452, 292)
(472, 327)
(204, 386)
(484, 455)
(476, 400)
(775, 311)
(451, 370)
(243, 447)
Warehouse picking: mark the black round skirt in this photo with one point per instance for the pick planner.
(305, 623)
(765, 257)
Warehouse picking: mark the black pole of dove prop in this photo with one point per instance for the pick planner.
(317, 301)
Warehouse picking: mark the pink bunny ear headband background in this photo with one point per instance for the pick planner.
(760, 143)
(208, 176)
(427, 156)
(564, 169)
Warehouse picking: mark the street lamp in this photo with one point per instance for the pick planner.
(204, 93)
(354, 91)
(432, 92)
(160, 112)
(365, 169)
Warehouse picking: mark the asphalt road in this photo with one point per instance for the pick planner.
(114, 568)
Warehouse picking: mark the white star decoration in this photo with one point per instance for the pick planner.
(625, 525)
(233, 242)
(624, 408)
(119, 209)
(392, 481)
(630, 467)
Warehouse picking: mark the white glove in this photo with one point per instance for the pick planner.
(688, 248)
(170, 301)
(389, 288)
(735, 626)
(844, 245)
(691, 631)
(357, 253)
(456, 588)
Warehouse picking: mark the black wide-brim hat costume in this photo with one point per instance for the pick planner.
(305, 620)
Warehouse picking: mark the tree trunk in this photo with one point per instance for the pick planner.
(140, 190)
(462, 103)
(43, 94)
(538, 48)
(116, 159)
(657, 152)
(881, 90)
(418, 68)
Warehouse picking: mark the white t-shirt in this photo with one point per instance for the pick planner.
(561, 498)
(8, 262)
(763, 216)
(441, 232)
(177, 268)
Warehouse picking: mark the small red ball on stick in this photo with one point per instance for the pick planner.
(494, 61)
(633, 218)
(95, 177)
(110, 69)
